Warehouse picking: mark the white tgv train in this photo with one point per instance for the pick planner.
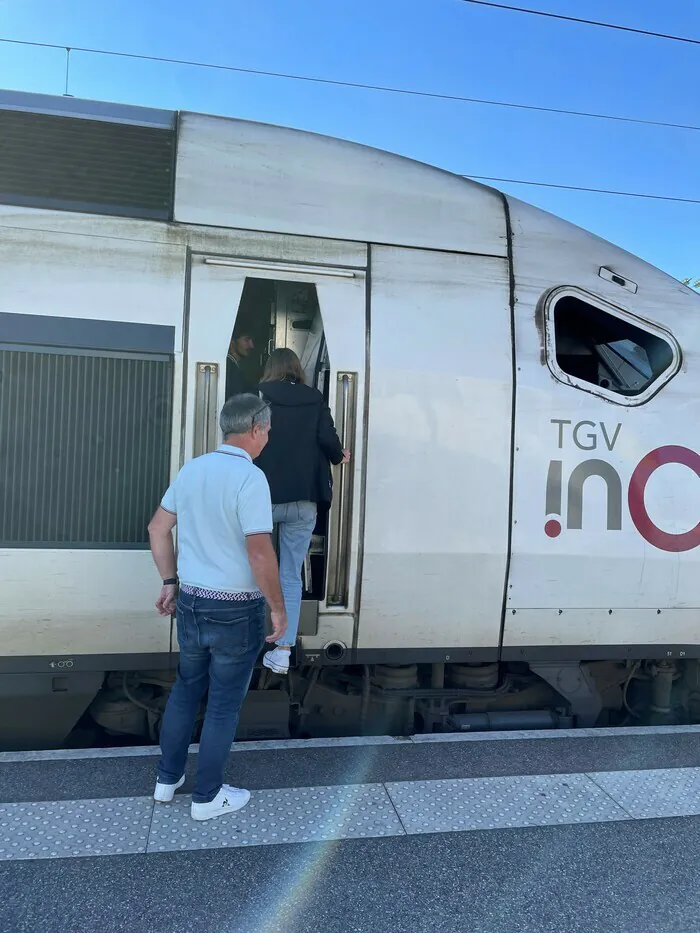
(515, 541)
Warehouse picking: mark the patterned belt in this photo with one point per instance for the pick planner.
(219, 594)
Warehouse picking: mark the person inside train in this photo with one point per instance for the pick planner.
(227, 570)
(241, 346)
(296, 461)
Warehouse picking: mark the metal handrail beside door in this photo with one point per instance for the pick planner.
(206, 401)
(341, 510)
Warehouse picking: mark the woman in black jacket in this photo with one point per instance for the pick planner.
(296, 461)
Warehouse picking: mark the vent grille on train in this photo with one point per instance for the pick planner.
(66, 163)
(84, 448)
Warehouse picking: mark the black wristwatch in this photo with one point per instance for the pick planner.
(171, 581)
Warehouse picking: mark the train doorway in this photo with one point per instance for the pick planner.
(273, 314)
(319, 313)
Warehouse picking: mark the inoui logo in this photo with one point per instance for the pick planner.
(663, 540)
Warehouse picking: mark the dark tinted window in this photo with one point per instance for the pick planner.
(75, 164)
(604, 350)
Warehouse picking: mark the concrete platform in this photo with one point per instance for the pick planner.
(493, 832)
(129, 772)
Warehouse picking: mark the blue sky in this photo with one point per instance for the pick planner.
(446, 46)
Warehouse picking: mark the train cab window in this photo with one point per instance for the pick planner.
(605, 350)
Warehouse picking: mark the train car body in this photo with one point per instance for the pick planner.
(516, 540)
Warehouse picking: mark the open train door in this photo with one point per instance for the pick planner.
(277, 298)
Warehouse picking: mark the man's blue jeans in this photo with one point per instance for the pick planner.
(220, 641)
(296, 522)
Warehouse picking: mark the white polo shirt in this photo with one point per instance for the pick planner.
(219, 499)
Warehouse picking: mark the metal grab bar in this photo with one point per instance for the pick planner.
(206, 400)
(341, 513)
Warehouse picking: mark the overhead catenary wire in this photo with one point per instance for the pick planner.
(407, 91)
(358, 85)
(546, 184)
(585, 22)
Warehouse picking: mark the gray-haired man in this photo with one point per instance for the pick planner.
(227, 569)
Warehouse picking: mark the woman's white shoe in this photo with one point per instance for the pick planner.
(164, 793)
(277, 660)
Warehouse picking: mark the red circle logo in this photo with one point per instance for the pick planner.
(685, 541)
(553, 528)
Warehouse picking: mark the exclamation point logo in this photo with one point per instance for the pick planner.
(553, 501)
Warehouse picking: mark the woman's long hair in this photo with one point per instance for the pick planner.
(283, 365)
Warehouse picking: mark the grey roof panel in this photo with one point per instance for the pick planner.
(87, 109)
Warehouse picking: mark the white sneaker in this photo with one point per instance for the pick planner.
(164, 793)
(277, 660)
(228, 800)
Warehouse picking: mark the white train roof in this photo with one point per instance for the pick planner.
(235, 173)
(255, 176)
(238, 174)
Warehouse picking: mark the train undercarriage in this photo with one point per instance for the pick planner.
(126, 707)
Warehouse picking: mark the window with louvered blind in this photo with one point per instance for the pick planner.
(85, 439)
